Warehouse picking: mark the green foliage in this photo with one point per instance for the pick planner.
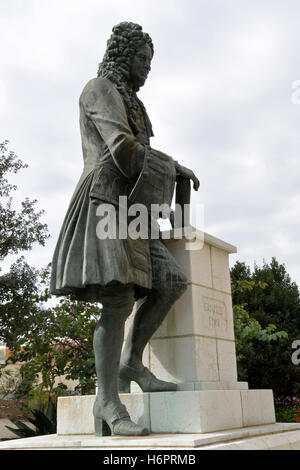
(286, 414)
(247, 329)
(267, 321)
(277, 302)
(22, 293)
(19, 230)
(61, 346)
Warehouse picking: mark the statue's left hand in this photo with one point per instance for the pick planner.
(187, 173)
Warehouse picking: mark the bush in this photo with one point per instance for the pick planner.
(289, 414)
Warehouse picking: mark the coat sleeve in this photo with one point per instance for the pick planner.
(104, 106)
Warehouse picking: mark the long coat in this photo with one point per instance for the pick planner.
(114, 165)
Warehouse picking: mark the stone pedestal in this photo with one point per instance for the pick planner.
(195, 348)
(201, 411)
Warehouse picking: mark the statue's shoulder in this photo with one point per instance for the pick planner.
(96, 88)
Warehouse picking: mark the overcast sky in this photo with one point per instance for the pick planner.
(219, 96)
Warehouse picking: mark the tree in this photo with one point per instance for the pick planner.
(62, 345)
(21, 288)
(19, 230)
(22, 293)
(278, 302)
(273, 300)
(247, 329)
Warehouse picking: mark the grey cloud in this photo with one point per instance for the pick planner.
(219, 97)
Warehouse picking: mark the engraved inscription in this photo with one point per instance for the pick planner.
(216, 313)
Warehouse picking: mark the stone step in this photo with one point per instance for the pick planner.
(284, 436)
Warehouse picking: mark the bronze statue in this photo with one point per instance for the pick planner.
(117, 271)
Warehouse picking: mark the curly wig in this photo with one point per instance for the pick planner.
(122, 45)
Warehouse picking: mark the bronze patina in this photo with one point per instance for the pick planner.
(119, 271)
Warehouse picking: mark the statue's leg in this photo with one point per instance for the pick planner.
(111, 417)
(169, 283)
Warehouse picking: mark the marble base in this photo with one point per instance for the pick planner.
(200, 385)
(198, 411)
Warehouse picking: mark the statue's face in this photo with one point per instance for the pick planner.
(140, 66)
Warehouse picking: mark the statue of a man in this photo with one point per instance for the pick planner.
(117, 271)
